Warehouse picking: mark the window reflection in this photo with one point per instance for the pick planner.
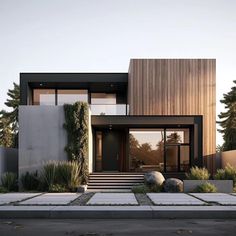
(153, 149)
(184, 158)
(177, 135)
(146, 150)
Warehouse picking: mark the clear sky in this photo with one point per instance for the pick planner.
(102, 35)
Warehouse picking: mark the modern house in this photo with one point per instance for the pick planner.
(158, 116)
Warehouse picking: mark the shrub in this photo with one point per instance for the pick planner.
(3, 190)
(142, 188)
(229, 173)
(30, 181)
(57, 188)
(9, 181)
(206, 188)
(61, 175)
(197, 173)
(48, 174)
(67, 174)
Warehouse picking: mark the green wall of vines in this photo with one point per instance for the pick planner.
(76, 125)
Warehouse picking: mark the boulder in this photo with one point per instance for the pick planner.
(154, 178)
(173, 185)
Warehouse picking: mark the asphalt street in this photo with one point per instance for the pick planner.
(35, 227)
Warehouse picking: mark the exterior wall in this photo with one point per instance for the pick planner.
(8, 160)
(228, 157)
(176, 87)
(41, 136)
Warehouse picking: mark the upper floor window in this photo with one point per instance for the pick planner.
(44, 97)
(103, 98)
(58, 97)
(71, 96)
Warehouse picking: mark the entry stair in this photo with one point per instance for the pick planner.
(113, 181)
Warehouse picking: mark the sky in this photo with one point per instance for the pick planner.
(102, 36)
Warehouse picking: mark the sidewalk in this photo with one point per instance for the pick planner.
(118, 206)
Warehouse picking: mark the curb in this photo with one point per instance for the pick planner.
(119, 212)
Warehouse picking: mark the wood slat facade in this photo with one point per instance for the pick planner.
(176, 87)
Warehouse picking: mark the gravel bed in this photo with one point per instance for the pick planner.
(143, 199)
(82, 200)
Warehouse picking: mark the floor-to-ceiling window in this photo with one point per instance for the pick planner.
(166, 150)
(59, 96)
(44, 97)
(71, 96)
(146, 149)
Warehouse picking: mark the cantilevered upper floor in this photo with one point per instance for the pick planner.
(105, 92)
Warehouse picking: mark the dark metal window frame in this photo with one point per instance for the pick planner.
(178, 145)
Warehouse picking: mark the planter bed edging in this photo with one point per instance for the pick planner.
(223, 186)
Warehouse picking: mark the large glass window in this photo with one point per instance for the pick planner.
(103, 98)
(159, 149)
(177, 135)
(44, 97)
(71, 96)
(146, 149)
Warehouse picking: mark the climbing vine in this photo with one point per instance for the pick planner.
(76, 125)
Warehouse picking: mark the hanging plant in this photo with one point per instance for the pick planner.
(76, 125)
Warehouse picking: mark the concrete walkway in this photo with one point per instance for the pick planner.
(118, 205)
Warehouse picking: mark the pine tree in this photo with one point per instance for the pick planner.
(228, 120)
(10, 118)
(6, 136)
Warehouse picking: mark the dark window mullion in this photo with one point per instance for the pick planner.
(56, 97)
(179, 158)
(164, 149)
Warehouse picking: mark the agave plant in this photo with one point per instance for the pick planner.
(48, 174)
(9, 181)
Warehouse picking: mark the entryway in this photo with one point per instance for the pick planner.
(110, 150)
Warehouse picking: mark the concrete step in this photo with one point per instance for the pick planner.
(116, 181)
(109, 190)
(111, 187)
(112, 184)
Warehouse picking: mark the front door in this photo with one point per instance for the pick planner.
(111, 147)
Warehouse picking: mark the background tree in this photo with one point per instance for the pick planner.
(6, 136)
(228, 120)
(9, 119)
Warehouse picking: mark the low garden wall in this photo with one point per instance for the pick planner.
(228, 157)
(223, 186)
(8, 160)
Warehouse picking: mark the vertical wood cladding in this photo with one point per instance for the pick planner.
(176, 87)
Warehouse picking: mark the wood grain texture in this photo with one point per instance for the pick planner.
(176, 87)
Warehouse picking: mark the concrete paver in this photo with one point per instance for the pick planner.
(113, 199)
(7, 198)
(52, 199)
(221, 198)
(173, 199)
